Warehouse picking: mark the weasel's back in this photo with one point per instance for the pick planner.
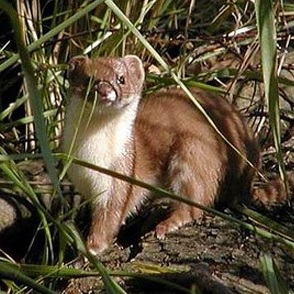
(169, 123)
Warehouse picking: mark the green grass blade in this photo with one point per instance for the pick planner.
(136, 32)
(34, 95)
(147, 272)
(268, 223)
(37, 44)
(12, 272)
(110, 285)
(268, 45)
(12, 172)
(273, 277)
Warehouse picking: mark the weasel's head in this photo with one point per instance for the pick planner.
(112, 83)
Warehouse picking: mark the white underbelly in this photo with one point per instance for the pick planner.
(88, 182)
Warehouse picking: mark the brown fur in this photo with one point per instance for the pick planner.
(171, 144)
(175, 142)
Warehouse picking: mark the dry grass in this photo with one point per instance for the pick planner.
(237, 48)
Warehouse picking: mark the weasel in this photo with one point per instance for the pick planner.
(161, 139)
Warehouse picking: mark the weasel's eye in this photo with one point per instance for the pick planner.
(121, 80)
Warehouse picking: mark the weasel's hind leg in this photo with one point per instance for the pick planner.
(189, 178)
(181, 215)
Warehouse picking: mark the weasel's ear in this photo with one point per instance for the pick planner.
(77, 67)
(135, 67)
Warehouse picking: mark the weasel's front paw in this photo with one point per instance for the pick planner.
(96, 245)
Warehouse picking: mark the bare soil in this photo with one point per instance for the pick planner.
(212, 255)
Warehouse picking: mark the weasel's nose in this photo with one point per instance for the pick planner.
(106, 91)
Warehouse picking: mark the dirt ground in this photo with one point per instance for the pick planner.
(211, 255)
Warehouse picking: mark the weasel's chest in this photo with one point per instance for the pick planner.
(99, 148)
(104, 145)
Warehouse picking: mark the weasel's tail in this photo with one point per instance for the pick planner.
(275, 191)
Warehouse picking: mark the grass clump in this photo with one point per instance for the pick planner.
(239, 49)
